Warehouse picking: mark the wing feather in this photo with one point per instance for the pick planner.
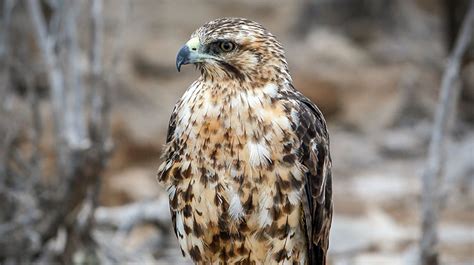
(170, 150)
(315, 156)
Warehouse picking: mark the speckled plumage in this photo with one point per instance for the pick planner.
(247, 164)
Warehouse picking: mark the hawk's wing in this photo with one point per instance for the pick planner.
(171, 148)
(317, 202)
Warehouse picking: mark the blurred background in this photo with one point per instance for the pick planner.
(87, 88)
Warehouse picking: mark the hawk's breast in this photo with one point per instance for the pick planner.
(235, 182)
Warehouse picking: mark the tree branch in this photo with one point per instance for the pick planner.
(98, 86)
(433, 171)
(125, 217)
(53, 72)
(74, 116)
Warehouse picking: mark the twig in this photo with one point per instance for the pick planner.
(99, 95)
(55, 77)
(125, 217)
(75, 126)
(433, 172)
(113, 251)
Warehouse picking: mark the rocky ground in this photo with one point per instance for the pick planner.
(377, 85)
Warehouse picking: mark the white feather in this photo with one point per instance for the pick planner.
(258, 154)
(270, 89)
(171, 191)
(295, 116)
(294, 197)
(261, 113)
(179, 223)
(282, 122)
(236, 211)
(253, 100)
(264, 217)
(233, 172)
(235, 102)
(180, 231)
(213, 110)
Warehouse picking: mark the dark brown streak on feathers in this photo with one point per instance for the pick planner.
(172, 125)
(232, 70)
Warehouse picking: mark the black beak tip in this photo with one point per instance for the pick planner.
(182, 57)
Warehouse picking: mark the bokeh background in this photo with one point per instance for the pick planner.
(90, 195)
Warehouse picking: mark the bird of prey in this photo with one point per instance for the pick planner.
(246, 163)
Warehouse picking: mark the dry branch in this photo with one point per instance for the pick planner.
(97, 88)
(125, 217)
(74, 116)
(433, 172)
(58, 92)
(55, 77)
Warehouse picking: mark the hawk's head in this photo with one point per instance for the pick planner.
(235, 48)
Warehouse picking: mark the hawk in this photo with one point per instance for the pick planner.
(246, 162)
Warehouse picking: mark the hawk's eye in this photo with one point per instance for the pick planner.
(227, 46)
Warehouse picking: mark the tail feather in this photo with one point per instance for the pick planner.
(317, 256)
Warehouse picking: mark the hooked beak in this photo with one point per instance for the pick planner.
(191, 53)
(183, 57)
